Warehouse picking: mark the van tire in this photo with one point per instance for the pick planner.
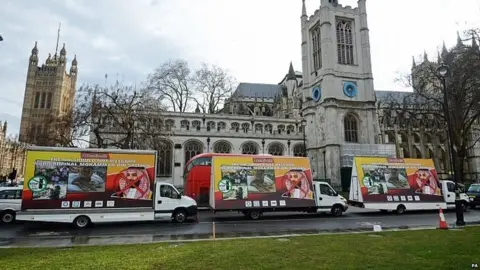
(254, 215)
(337, 211)
(179, 216)
(401, 209)
(82, 222)
(7, 216)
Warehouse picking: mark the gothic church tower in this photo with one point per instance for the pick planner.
(338, 86)
(49, 94)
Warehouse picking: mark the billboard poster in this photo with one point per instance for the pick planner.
(397, 180)
(68, 179)
(249, 182)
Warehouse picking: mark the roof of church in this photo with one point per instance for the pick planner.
(399, 97)
(259, 90)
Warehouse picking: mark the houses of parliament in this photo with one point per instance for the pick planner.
(49, 95)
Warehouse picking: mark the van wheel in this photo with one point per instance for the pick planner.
(254, 215)
(180, 216)
(337, 211)
(81, 222)
(401, 209)
(7, 216)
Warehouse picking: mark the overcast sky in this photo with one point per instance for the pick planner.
(254, 39)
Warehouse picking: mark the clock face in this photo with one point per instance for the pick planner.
(349, 89)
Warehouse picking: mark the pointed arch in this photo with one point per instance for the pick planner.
(165, 158)
(276, 149)
(344, 30)
(249, 148)
(299, 150)
(350, 126)
(222, 146)
(192, 148)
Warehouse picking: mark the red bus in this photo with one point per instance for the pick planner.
(197, 175)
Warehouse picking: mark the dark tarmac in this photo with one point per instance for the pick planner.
(225, 225)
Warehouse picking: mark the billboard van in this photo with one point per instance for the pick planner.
(397, 180)
(241, 182)
(64, 179)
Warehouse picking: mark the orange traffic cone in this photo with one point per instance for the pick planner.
(443, 223)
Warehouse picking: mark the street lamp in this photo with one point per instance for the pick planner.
(304, 125)
(443, 71)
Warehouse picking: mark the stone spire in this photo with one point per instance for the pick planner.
(291, 73)
(304, 9)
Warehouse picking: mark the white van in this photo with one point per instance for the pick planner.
(10, 203)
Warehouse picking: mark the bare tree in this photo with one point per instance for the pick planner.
(173, 83)
(117, 116)
(462, 84)
(213, 86)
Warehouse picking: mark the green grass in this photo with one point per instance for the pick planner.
(432, 249)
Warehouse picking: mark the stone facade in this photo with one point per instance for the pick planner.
(49, 93)
(12, 154)
(333, 97)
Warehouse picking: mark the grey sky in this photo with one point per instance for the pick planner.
(255, 40)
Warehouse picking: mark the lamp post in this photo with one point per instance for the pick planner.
(304, 125)
(263, 146)
(443, 71)
(208, 144)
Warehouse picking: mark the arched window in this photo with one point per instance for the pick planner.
(344, 42)
(164, 162)
(222, 147)
(275, 149)
(351, 128)
(37, 100)
(192, 148)
(249, 148)
(299, 150)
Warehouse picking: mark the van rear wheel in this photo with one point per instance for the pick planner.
(401, 209)
(254, 215)
(81, 222)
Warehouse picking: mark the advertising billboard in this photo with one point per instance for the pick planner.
(397, 180)
(254, 182)
(76, 179)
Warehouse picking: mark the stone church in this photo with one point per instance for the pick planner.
(328, 112)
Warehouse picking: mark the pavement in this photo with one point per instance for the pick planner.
(218, 226)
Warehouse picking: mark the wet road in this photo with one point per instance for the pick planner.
(224, 225)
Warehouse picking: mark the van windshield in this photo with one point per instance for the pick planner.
(474, 188)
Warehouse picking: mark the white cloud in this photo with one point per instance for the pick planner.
(255, 40)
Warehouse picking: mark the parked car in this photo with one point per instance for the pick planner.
(474, 193)
(10, 203)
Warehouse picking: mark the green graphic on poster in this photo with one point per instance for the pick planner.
(225, 186)
(37, 184)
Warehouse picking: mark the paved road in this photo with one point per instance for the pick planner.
(224, 225)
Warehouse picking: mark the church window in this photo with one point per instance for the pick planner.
(164, 162)
(317, 48)
(222, 147)
(235, 125)
(221, 125)
(211, 125)
(195, 124)
(49, 101)
(192, 148)
(268, 128)
(184, 124)
(259, 127)
(299, 150)
(169, 123)
(245, 127)
(351, 128)
(249, 148)
(345, 42)
(43, 100)
(290, 129)
(275, 149)
(37, 100)
(281, 129)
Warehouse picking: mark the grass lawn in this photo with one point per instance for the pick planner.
(433, 249)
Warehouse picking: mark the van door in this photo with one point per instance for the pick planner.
(449, 192)
(166, 200)
(326, 197)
